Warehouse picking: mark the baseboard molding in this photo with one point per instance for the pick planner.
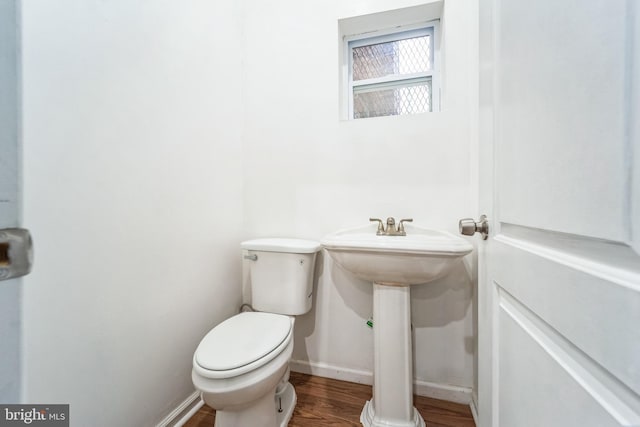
(452, 393)
(421, 388)
(185, 410)
(329, 371)
(474, 409)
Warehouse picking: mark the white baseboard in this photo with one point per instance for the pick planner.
(474, 409)
(421, 388)
(329, 371)
(181, 414)
(452, 393)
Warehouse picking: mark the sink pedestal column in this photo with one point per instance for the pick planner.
(392, 403)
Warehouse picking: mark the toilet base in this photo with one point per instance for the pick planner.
(285, 403)
(272, 410)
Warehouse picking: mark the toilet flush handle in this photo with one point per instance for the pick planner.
(252, 257)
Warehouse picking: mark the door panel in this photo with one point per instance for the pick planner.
(530, 354)
(596, 312)
(562, 99)
(559, 297)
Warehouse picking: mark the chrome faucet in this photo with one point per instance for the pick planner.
(391, 229)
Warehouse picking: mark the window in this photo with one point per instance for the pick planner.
(394, 73)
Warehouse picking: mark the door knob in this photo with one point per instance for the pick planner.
(16, 252)
(468, 226)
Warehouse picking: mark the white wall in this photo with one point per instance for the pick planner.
(132, 153)
(10, 290)
(307, 174)
(156, 136)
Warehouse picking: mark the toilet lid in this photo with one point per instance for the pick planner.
(242, 339)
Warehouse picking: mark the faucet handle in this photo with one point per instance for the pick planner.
(401, 225)
(380, 225)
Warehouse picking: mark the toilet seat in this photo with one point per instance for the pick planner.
(242, 343)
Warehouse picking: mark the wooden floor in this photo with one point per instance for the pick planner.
(327, 402)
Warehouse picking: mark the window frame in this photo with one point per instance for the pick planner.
(430, 28)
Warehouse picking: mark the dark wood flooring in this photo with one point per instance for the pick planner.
(326, 402)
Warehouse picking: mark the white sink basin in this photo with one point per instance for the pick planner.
(393, 263)
(419, 257)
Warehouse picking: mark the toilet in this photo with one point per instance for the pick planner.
(241, 367)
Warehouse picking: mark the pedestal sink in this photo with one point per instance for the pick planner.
(393, 264)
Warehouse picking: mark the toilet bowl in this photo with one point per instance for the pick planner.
(241, 367)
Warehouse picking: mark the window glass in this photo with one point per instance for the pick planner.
(393, 73)
(392, 102)
(401, 57)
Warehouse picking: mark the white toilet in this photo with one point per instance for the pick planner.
(241, 367)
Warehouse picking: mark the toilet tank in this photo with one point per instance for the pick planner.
(281, 274)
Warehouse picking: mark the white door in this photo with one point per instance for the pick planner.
(9, 209)
(559, 291)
